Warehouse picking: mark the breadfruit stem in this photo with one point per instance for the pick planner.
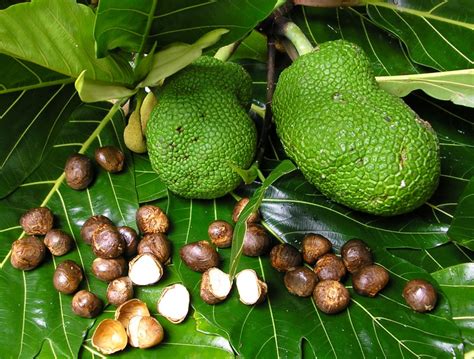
(292, 32)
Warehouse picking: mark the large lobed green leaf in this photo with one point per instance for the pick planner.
(462, 227)
(136, 26)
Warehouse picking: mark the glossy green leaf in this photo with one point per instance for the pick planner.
(17, 75)
(456, 86)
(435, 32)
(387, 54)
(37, 313)
(462, 227)
(253, 47)
(136, 26)
(60, 39)
(458, 284)
(149, 186)
(29, 124)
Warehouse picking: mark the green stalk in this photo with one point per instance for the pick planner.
(293, 33)
(225, 52)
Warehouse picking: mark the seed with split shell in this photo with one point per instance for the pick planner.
(157, 244)
(314, 246)
(220, 233)
(119, 291)
(151, 219)
(199, 256)
(330, 296)
(90, 226)
(130, 309)
(67, 277)
(251, 289)
(144, 332)
(256, 240)
(109, 269)
(239, 207)
(300, 281)
(86, 304)
(145, 269)
(420, 295)
(356, 255)
(109, 337)
(58, 242)
(27, 253)
(284, 257)
(174, 303)
(37, 221)
(370, 280)
(330, 266)
(78, 171)
(130, 236)
(215, 286)
(107, 242)
(110, 158)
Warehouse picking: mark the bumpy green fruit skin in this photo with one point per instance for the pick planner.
(359, 145)
(200, 128)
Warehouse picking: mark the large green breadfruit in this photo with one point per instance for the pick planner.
(358, 144)
(200, 130)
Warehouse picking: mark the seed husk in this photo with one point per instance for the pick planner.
(215, 286)
(314, 246)
(144, 332)
(251, 289)
(199, 256)
(119, 291)
(27, 253)
(86, 304)
(78, 171)
(130, 309)
(145, 269)
(109, 269)
(151, 219)
(331, 297)
(37, 221)
(174, 303)
(58, 242)
(109, 337)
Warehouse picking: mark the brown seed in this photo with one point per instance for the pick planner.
(78, 171)
(109, 269)
(157, 244)
(300, 281)
(199, 256)
(130, 237)
(86, 304)
(314, 246)
(151, 219)
(119, 291)
(239, 207)
(58, 242)
(370, 280)
(67, 277)
(110, 158)
(356, 255)
(109, 337)
(330, 267)
(27, 253)
(284, 257)
(90, 226)
(420, 295)
(107, 242)
(37, 221)
(256, 240)
(331, 296)
(220, 233)
(215, 286)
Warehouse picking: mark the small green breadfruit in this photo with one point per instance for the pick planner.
(200, 131)
(132, 135)
(149, 103)
(359, 145)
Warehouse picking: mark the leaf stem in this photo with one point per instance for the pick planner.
(225, 52)
(260, 175)
(292, 32)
